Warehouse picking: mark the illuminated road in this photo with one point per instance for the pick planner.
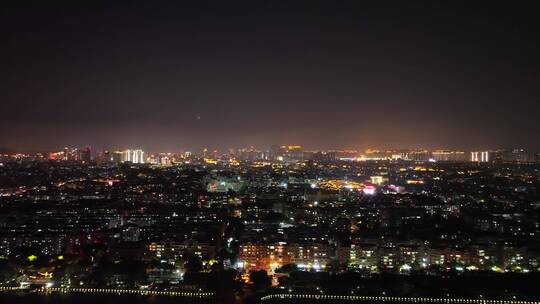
(389, 299)
(274, 297)
(200, 295)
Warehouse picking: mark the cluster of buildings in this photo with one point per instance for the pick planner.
(376, 256)
(425, 212)
(284, 154)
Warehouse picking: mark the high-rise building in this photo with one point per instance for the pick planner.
(449, 156)
(71, 154)
(419, 155)
(84, 155)
(275, 151)
(164, 160)
(116, 156)
(480, 156)
(377, 179)
(516, 156)
(292, 152)
(134, 156)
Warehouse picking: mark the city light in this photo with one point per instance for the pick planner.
(270, 152)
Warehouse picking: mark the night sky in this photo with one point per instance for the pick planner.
(177, 75)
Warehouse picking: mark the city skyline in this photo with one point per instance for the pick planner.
(243, 152)
(210, 149)
(258, 227)
(283, 155)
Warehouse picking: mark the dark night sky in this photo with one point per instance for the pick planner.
(170, 75)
